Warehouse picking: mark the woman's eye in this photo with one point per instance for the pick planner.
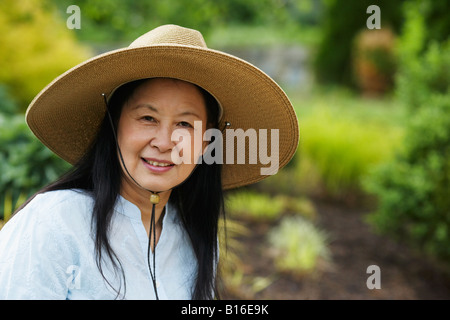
(148, 118)
(185, 124)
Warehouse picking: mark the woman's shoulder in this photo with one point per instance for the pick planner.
(60, 202)
(41, 240)
(62, 198)
(61, 207)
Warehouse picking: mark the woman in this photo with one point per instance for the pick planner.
(129, 221)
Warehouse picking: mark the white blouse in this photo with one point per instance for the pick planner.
(47, 252)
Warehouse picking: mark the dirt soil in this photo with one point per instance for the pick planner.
(405, 274)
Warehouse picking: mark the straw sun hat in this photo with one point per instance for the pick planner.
(67, 113)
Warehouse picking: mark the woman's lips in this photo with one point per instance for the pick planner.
(157, 166)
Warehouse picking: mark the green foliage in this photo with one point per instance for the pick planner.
(300, 206)
(413, 190)
(10, 203)
(424, 53)
(253, 205)
(434, 16)
(425, 75)
(298, 246)
(122, 21)
(240, 35)
(36, 47)
(340, 23)
(7, 105)
(343, 149)
(342, 137)
(25, 163)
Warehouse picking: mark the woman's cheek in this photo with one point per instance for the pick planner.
(183, 151)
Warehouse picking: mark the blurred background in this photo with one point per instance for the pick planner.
(370, 182)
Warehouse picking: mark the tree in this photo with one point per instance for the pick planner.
(36, 47)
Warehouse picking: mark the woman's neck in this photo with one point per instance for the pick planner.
(141, 198)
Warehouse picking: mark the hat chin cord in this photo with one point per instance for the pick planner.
(154, 200)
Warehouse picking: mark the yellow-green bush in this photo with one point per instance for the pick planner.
(257, 206)
(341, 147)
(36, 46)
(298, 245)
(254, 206)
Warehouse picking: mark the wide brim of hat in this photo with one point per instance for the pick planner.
(67, 113)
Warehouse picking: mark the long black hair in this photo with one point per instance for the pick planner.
(198, 200)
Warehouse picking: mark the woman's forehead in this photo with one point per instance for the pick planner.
(181, 111)
(155, 94)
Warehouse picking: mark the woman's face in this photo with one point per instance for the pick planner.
(159, 111)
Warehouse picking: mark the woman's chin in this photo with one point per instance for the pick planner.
(160, 186)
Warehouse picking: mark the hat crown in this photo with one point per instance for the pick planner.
(170, 34)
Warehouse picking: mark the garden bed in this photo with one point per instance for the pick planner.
(405, 274)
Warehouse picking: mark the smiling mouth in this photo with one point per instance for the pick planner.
(158, 164)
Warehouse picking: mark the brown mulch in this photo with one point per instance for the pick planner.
(405, 273)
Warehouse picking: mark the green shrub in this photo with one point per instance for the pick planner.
(343, 149)
(254, 206)
(299, 206)
(25, 163)
(36, 47)
(288, 182)
(122, 21)
(414, 190)
(342, 136)
(424, 53)
(340, 24)
(7, 104)
(425, 75)
(298, 246)
(424, 70)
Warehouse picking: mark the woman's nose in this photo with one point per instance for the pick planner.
(162, 139)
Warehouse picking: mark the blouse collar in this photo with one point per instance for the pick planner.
(130, 210)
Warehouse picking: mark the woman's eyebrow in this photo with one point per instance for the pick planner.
(145, 105)
(188, 113)
(152, 108)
